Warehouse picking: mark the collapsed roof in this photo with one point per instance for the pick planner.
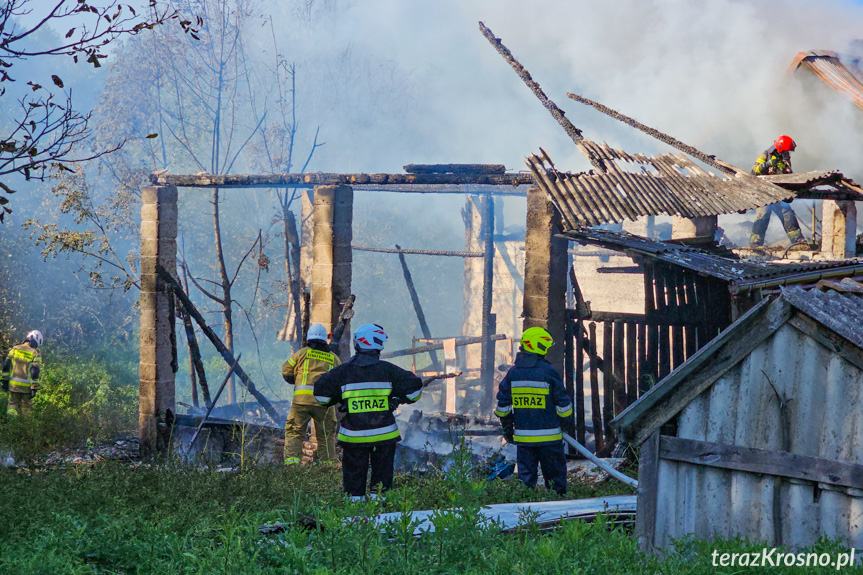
(829, 67)
(628, 186)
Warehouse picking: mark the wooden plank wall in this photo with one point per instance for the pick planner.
(628, 353)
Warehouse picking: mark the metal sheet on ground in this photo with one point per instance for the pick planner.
(547, 513)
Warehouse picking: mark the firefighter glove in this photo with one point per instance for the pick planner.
(4, 385)
(508, 426)
(394, 403)
(32, 392)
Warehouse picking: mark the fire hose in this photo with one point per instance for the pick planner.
(598, 462)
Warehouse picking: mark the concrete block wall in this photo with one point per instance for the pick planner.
(331, 250)
(545, 272)
(158, 247)
(838, 229)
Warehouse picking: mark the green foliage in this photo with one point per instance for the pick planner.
(116, 519)
(82, 395)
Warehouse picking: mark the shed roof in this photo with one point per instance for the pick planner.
(741, 275)
(831, 313)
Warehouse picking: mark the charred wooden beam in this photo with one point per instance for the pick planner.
(673, 142)
(558, 114)
(384, 182)
(421, 317)
(344, 319)
(435, 346)
(455, 169)
(217, 343)
(419, 252)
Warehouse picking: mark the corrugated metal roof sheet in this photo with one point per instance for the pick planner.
(741, 274)
(630, 186)
(827, 66)
(841, 311)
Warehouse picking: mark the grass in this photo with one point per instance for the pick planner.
(114, 518)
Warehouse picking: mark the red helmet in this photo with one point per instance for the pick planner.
(784, 144)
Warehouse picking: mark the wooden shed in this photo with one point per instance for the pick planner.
(760, 433)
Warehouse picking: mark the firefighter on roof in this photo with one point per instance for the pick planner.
(368, 390)
(776, 160)
(302, 371)
(20, 374)
(532, 404)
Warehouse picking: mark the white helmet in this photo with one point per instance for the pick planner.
(370, 336)
(317, 331)
(35, 336)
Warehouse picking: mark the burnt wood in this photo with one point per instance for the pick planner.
(595, 406)
(666, 399)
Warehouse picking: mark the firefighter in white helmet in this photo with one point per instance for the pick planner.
(302, 371)
(369, 390)
(20, 374)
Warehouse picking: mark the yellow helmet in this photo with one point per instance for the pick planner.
(536, 340)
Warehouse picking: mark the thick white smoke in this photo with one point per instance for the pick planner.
(430, 88)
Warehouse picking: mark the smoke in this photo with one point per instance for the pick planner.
(711, 74)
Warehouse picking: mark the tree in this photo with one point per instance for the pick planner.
(274, 152)
(47, 131)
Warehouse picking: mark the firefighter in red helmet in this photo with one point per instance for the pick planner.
(776, 160)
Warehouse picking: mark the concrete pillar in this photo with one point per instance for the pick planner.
(682, 228)
(545, 272)
(158, 247)
(838, 229)
(331, 272)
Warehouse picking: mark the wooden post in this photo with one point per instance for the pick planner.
(158, 248)
(619, 367)
(648, 489)
(580, 429)
(487, 345)
(595, 407)
(331, 273)
(607, 388)
(631, 364)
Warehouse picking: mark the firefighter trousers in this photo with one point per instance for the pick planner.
(355, 466)
(762, 219)
(325, 432)
(19, 404)
(552, 460)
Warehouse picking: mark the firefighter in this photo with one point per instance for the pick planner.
(776, 160)
(532, 405)
(20, 374)
(302, 371)
(368, 390)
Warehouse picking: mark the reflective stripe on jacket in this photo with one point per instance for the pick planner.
(533, 394)
(772, 162)
(364, 386)
(304, 368)
(22, 368)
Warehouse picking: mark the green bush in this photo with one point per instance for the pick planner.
(81, 396)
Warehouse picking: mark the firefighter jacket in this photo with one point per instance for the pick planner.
(21, 368)
(772, 162)
(365, 387)
(305, 367)
(532, 393)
